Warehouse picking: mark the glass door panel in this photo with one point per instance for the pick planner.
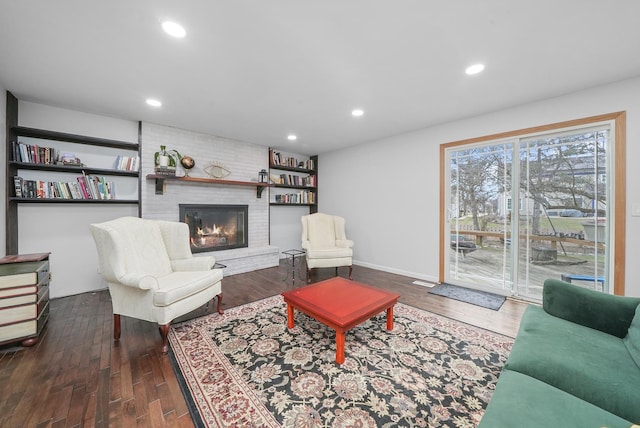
(563, 230)
(479, 230)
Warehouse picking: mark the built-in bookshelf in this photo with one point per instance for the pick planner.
(294, 180)
(46, 166)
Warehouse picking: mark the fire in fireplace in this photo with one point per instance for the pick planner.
(216, 227)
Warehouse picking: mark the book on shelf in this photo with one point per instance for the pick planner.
(23, 329)
(31, 153)
(167, 171)
(96, 187)
(127, 163)
(294, 180)
(21, 274)
(85, 187)
(18, 300)
(18, 291)
(308, 164)
(278, 159)
(302, 197)
(18, 183)
(19, 313)
(275, 179)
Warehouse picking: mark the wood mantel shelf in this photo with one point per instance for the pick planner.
(161, 178)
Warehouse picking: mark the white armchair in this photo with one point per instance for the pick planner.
(325, 243)
(151, 272)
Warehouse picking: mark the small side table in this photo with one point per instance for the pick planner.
(292, 255)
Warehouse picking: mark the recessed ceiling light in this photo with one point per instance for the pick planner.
(154, 103)
(474, 69)
(173, 29)
(292, 137)
(357, 112)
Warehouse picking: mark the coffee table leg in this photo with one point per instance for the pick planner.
(390, 318)
(339, 347)
(289, 315)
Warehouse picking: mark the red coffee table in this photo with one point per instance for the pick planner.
(340, 304)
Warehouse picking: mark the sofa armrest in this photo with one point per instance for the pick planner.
(193, 264)
(605, 312)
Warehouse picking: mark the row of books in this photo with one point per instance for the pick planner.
(302, 197)
(85, 187)
(127, 163)
(278, 159)
(165, 170)
(31, 153)
(294, 180)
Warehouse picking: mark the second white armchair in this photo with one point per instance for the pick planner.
(325, 243)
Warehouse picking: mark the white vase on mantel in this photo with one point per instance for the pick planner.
(163, 161)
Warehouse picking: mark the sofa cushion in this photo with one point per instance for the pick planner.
(521, 401)
(632, 339)
(581, 361)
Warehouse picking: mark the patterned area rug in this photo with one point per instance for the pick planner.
(246, 369)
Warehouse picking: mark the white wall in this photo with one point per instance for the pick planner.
(388, 190)
(286, 227)
(63, 229)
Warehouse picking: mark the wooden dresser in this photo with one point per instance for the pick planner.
(24, 297)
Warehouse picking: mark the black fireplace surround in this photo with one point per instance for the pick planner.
(216, 227)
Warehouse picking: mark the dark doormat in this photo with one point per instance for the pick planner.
(475, 297)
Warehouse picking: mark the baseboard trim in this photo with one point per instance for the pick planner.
(413, 275)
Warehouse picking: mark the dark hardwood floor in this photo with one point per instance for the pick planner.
(76, 375)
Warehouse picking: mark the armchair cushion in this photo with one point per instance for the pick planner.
(329, 253)
(178, 285)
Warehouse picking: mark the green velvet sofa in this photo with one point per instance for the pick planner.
(575, 363)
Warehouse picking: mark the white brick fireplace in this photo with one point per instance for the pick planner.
(243, 160)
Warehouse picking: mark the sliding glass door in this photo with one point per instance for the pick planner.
(527, 208)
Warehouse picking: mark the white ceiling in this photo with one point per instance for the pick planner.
(256, 70)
